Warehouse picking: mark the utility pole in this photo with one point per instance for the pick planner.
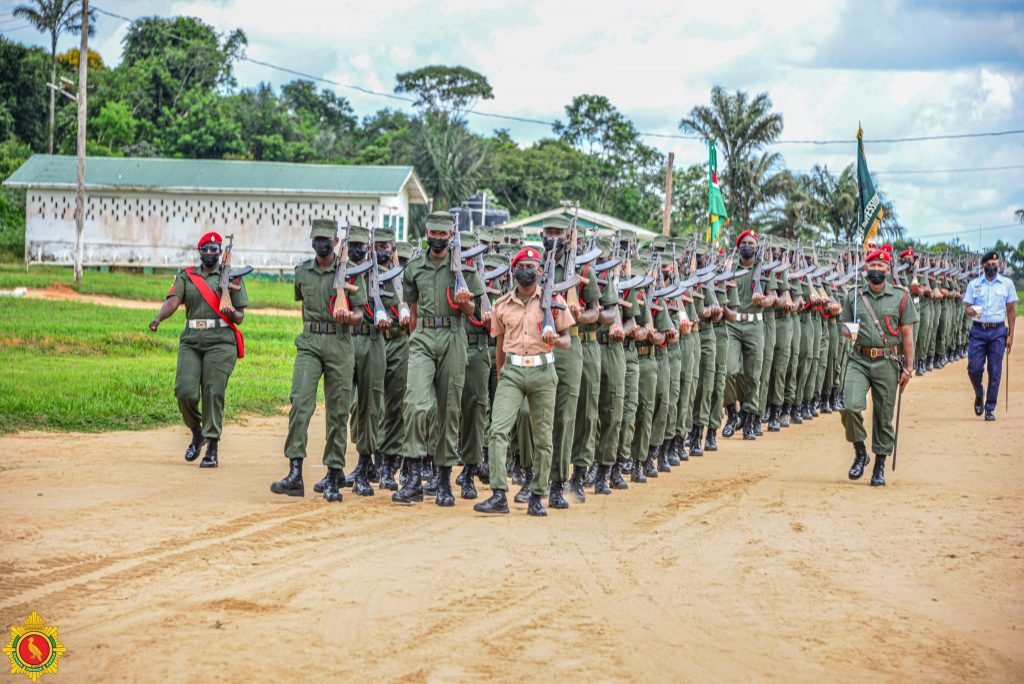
(666, 225)
(83, 75)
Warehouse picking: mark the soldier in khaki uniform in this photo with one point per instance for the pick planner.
(323, 348)
(885, 316)
(207, 348)
(526, 368)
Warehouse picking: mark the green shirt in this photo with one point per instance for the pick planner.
(587, 293)
(427, 283)
(745, 290)
(196, 307)
(887, 305)
(314, 287)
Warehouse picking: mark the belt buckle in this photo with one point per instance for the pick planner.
(200, 325)
(877, 353)
(528, 361)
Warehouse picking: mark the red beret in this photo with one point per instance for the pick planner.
(209, 237)
(907, 252)
(887, 248)
(526, 253)
(878, 255)
(739, 238)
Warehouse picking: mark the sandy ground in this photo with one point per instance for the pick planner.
(64, 293)
(759, 562)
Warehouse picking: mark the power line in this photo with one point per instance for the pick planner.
(975, 169)
(967, 232)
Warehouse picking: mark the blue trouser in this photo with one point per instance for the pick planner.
(986, 345)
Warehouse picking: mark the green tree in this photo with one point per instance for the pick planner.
(23, 93)
(114, 126)
(689, 198)
(55, 17)
(207, 127)
(449, 159)
(13, 154)
(539, 177)
(445, 89)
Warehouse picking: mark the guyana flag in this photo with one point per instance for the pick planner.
(716, 204)
(869, 204)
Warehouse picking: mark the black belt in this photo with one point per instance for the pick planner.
(628, 343)
(393, 333)
(476, 338)
(325, 327)
(492, 341)
(989, 326)
(588, 337)
(644, 350)
(604, 338)
(364, 329)
(437, 321)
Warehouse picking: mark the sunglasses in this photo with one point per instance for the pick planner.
(209, 249)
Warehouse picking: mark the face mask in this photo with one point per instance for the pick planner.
(700, 262)
(991, 270)
(526, 276)
(357, 252)
(437, 245)
(383, 256)
(747, 252)
(876, 277)
(322, 248)
(553, 243)
(209, 260)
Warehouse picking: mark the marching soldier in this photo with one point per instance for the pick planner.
(208, 346)
(989, 302)
(746, 336)
(396, 354)
(323, 348)
(475, 396)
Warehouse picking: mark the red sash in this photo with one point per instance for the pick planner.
(213, 301)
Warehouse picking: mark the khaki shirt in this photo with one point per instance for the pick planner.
(887, 306)
(520, 323)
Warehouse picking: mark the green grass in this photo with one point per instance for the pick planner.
(83, 367)
(263, 291)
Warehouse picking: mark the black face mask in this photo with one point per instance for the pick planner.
(209, 260)
(747, 252)
(553, 243)
(437, 245)
(876, 277)
(402, 262)
(383, 256)
(322, 247)
(991, 270)
(356, 252)
(526, 276)
(700, 262)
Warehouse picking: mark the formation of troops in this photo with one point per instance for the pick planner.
(575, 368)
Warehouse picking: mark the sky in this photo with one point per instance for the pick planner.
(902, 68)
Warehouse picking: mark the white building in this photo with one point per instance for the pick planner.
(151, 212)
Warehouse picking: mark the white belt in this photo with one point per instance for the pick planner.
(749, 318)
(204, 323)
(917, 300)
(531, 361)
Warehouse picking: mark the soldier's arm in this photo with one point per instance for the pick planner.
(167, 309)
(908, 353)
(590, 314)
(499, 353)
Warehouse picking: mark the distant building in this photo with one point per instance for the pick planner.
(602, 224)
(150, 212)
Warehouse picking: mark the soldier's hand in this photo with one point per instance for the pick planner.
(617, 333)
(227, 310)
(1009, 343)
(905, 377)
(640, 333)
(463, 296)
(404, 316)
(486, 318)
(686, 326)
(548, 337)
(672, 335)
(757, 298)
(155, 323)
(383, 324)
(575, 310)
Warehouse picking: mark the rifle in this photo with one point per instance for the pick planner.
(341, 274)
(455, 246)
(485, 301)
(380, 312)
(225, 278)
(759, 270)
(547, 295)
(572, 297)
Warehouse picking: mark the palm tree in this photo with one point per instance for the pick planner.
(1018, 216)
(450, 160)
(55, 17)
(762, 184)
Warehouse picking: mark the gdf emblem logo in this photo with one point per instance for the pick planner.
(34, 648)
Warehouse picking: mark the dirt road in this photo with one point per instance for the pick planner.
(758, 562)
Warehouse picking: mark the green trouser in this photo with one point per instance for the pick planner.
(537, 387)
(584, 439)
(881, 376)
(613, 375)
(204, 366)
(706, 377)
(832, 367)
(780, 364)
(745, 358)
(845, 347)
(475, 399)
(819, 377)
(392, 426)
(569, 367)
(930, 337)
(367, 391)
(689, 370)
(923, 314)
(627, 428)
(675, 384)
(330, 356)
(721, 366)
(808, 350)
(793, 374)
(433, 394)
(661, 396)
(770, 333)
(647, 389)
(522, 436)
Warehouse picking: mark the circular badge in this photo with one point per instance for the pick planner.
(34, 649)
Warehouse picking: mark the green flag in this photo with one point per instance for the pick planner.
(869, 204)
(716, 204)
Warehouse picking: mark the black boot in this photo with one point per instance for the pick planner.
(805, 411)
(444, 496)
(637, 473)
(496, 504)
(918, 367)
(878, 475)
(536, 508)
(758, 432)
(373, 472)
(784, 416)
(683, 453)
(928, 365)
(332, 488)
(674, 451)
(291, 485)
(748, 429)
(839, 400)
(556, 499)
(860, 460)
(697, 447)
(731, 422)
(518, 474)
(467, 484)
(195, 446)
(615, 478)
(483, 471)
(601, 481)
(523, 495)
(361, 484)
(662, 455)
(412, 483)
(210, 457)
(813, 407)
(794, 415)
(430, 486)
(688, 439)
(591, 476)
(773, 419)
(576, 484)
(387, 473)
(318, 487)
(711, 441)
(426, 469)
(826, 405)
(650, 470)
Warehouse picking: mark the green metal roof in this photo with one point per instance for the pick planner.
(217, 175)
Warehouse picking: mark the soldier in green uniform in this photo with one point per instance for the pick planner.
(708, 314)
(667, 329)
(791, 412)
(475, 396)
(437, 361)
(207, 348)
(653, 387)
(884, 317)
(689, 370)
(396, 353)
(783, 315)
(729, 299)
(746, 336)
(323, 348)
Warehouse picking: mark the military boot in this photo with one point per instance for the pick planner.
(576, 484)
(468, 487)
(697, 446)
(195, 446)
(784, 416)
(483, 471)
(332, 488)
(444, 495)
(318, 486)
(591, 476)
(756, 420)
(601, 481)
(860, 460)
(556, 498)
(518, 474)
(636, 474)
(826, 403)
(496, 504)
(430, 486)
(650, 470)
(210, 457)
(361, 483)
(674, 448)
(711, 441)
(373, 472)
(412, 483)
(878, 474)
(839, 401)
(427, 468)
(731, 422)
(523, 495)
(794, 415)
(387, 473)
(615, 478)
(813, 406)
(291, 485)
(688, 438)
(536, 508)
(662, 455)
(773, 419)
(929, 365)
(748, 429)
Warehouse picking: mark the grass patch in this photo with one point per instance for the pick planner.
(83, 367)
